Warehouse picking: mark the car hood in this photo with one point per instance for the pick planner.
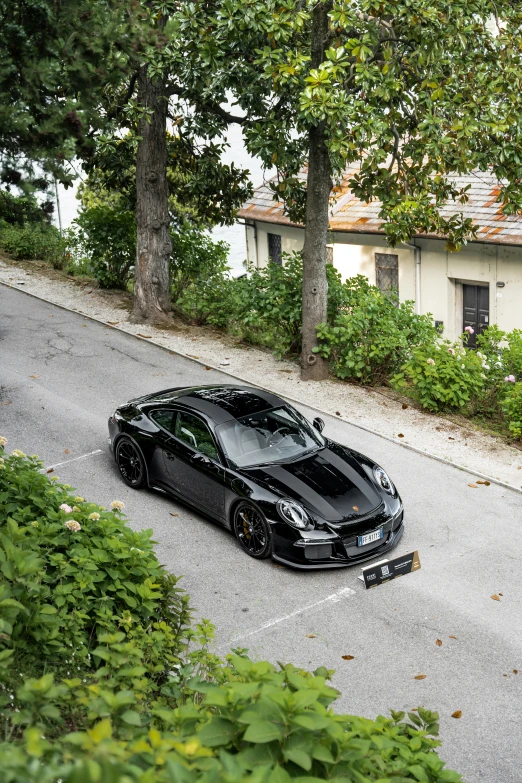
(330, 484)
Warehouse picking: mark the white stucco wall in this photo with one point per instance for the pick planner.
(442, 273)
(291, 239)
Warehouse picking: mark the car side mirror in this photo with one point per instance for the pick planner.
(201, 458)
(318, 424)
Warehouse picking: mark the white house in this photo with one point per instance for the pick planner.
(479, 285)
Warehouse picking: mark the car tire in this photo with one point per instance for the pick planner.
(252, 531)
(130, 463)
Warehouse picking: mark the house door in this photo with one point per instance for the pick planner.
(476, 310)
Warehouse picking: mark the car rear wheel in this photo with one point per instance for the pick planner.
(130, 463)
(252, 531)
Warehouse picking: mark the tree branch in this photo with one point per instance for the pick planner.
(128, 95)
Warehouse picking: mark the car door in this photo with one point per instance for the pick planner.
(193, 466)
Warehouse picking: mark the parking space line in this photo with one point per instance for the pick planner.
(74, 459)
(331, 599)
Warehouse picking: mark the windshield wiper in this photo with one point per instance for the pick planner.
(285, 461)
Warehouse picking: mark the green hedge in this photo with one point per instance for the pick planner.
(72, 570)
(259, 724)
(98, 684)
(33, 242)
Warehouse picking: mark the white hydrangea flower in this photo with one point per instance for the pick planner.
(117, 505)
(73, 525)
(94, 516)
(3, 441)
(17, 453)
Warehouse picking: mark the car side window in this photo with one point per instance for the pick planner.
(191, 430)
(165, 418)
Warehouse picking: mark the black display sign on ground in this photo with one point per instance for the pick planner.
(385, 570)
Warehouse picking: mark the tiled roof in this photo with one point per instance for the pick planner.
(349, 214)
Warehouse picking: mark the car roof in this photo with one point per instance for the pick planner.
(221, 403)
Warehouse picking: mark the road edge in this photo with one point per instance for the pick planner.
(371, 431)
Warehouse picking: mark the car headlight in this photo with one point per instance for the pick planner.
(294, 514)
(384, 481)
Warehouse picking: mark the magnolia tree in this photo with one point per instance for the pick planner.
(414, 91)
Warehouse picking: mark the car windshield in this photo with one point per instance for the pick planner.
(277, 435)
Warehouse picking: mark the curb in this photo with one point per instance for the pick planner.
(371, 431)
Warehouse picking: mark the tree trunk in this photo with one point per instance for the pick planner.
(153, 244)
(319, 186)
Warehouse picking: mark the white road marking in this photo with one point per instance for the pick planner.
(331, 599)
(74, 459)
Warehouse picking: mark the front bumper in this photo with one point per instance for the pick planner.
(336, 551)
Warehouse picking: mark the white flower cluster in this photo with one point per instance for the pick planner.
(117, 505)
(73, 525)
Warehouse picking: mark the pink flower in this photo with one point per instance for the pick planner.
(469, 329)
(509, 379)
(66, 508)
(451, 351)
(73, 525)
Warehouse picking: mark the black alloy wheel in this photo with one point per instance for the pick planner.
(130, 463)
(252, 531)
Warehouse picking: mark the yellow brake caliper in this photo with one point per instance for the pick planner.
(246, 528)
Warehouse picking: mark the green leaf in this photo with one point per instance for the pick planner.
(322, 753)
(262, 731)
(48, 609)
(279, 775)
(299, 757)
(419, 774)
(218, 731)
(131, 717)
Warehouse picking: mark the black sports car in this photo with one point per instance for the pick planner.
(252, 462)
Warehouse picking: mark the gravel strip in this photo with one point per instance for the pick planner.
(368, 408)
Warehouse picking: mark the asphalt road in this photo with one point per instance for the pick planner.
(60, 378)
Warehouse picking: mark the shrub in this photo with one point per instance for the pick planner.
(109, 238)
(72, 570)
(201, 287)
(257, 725)
(502, 351)
(33, 242)
(442, 376)
(511, 405)
(76, 257)
(196, 259)
(269, 306)
(370, 335)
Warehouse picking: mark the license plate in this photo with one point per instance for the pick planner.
(369, 537)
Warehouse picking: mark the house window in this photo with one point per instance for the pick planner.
(274, 248)
(329, 254)
(387, 272)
